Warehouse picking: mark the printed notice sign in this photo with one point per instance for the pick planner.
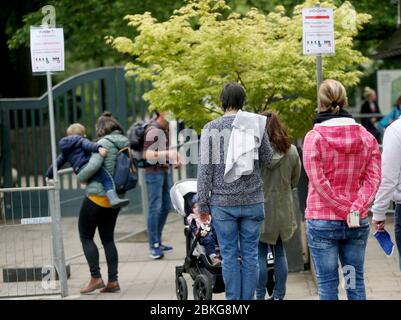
(47, 49)
(39, 220)
(318, 31)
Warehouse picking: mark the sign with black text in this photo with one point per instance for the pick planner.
(47, 49)
(318, 31)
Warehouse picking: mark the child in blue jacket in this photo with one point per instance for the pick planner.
(76, 150)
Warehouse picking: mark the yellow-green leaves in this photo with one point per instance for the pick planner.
(203, 45)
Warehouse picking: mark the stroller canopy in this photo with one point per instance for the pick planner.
(178, 193)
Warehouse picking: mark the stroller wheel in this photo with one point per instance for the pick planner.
(202, 288)
(181, 288)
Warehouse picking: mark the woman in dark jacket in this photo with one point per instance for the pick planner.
(370, 106)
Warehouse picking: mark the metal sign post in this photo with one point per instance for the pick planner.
(318, 37)
(319, 77)
(319, 73)
(57, 231)
(47, 56)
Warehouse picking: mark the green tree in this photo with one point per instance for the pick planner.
(205, 44)
(382, 24)
(86, 23)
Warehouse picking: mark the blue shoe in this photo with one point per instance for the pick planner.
(165, 248)
(156, 253)
(384, 239)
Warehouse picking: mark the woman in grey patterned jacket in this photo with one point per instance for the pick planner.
(237, 208)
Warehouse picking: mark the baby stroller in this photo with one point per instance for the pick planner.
(207, 278)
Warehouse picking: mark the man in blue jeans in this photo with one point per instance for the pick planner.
(390, 187)
(157, 154)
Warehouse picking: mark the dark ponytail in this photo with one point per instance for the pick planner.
(278, 135)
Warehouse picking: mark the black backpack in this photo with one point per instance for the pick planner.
(136, 135)
(125, 171)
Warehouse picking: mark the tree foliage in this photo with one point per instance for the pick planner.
(86, 23)
(205, 44)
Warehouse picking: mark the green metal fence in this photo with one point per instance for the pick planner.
(24, 127)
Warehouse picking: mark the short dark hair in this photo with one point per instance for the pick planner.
(232, 96)
(106, 124)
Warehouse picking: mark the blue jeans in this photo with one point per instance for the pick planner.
(159, 184)
(209, 241)
(280, 270)
(104, 178)
(397, 230)
(239, 226)
(330, 240)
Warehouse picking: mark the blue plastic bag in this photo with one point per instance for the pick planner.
(384, 239)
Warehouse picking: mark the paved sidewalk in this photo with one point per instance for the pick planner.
(143, 278)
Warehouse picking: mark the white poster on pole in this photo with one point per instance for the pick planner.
(389, 88)
(318, 31)
(47, 49)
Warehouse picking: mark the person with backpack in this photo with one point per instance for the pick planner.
(152, 140)
(96, 211)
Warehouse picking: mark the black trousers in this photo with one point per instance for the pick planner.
(92, 216)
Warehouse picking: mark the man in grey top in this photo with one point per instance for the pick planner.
(237, 208)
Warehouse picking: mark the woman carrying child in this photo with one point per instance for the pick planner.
(96, 211)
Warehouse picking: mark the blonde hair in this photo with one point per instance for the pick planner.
(368, 91)
(76, 129)
(332, 96)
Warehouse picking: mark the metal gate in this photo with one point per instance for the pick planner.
(28, 243)
(24, 132)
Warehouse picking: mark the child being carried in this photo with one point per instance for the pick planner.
(76, 149)
(208, 238)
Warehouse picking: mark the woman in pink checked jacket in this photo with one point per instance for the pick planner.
(343, 164)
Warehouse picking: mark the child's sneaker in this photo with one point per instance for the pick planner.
(384, 239)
